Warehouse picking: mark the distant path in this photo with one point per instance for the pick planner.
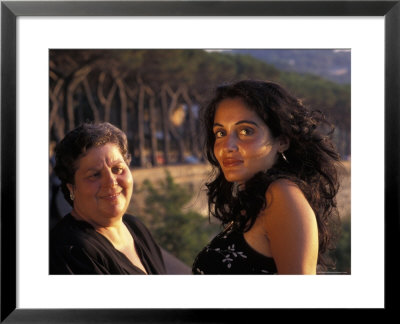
(195, 176)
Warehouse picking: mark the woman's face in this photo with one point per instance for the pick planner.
(103, 185)
(243, 142)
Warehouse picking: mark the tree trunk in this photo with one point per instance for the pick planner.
(165, 124)
(55, 102)
(142, 157)
(175, 135)
(199, 99)
(106, 101)
(192, 124)
(153, 128)
(92, 104)
(124, 104)
(79, 76)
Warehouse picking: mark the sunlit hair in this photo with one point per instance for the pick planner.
(312, 161)
(77, 142)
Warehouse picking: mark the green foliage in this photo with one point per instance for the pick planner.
(177, 229)
(331, 98)
(343, 249)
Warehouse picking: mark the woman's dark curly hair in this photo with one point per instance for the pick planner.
(312, 161)
(77, 142)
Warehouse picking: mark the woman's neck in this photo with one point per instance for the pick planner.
(114, 230)
(119, 236)
(115, 222)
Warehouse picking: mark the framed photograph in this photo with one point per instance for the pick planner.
(371, 29)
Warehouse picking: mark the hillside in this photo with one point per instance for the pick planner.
(331, 64)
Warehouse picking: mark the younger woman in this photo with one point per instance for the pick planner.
(275, 183)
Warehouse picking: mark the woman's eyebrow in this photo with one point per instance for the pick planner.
(247, 122)
(113, 161)
(238, 123)
(90, 169)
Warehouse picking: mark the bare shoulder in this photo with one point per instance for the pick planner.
(282, 191)
(282, 184)
(291, 226)
(286, 201)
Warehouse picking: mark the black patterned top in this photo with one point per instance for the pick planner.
(229, 253)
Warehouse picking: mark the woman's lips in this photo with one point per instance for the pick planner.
(111, 197)
(230, 162)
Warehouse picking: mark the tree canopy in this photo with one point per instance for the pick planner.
(141, 90)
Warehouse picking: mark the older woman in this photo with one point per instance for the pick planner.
(97, 237)
(275, 183)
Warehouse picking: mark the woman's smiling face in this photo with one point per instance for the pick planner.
(103, 185)
(243, 144)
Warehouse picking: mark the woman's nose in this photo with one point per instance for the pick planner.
(111, 180)
(230, 143)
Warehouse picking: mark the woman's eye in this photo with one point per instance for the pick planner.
(246, 131)
(219, 134)
(118, 170)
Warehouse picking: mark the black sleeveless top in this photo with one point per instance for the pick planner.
(229, 253)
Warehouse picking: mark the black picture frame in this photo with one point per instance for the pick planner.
(10, 10)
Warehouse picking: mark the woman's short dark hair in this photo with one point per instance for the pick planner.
(312, 160)
(77, 142)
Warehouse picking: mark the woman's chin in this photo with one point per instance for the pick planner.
(114, 205)
(238, 178)
(114, 211)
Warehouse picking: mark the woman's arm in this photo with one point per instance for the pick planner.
(291, 228)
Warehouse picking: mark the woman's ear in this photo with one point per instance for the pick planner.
(70, 187)
(71, 191)
(284, 143)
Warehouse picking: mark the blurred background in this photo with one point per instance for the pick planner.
(154, 96)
